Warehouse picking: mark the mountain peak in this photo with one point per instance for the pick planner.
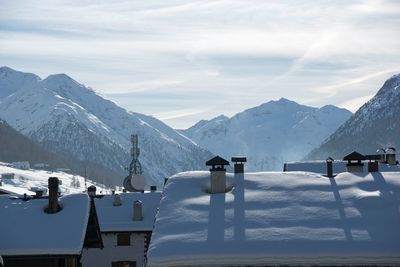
(391, 84)
(60, 77)
(6, 69)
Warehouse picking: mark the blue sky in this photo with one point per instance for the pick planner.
(182, 61)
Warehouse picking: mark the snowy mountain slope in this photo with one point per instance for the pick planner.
(26, 181)
(71, 119)
(269, 134)
(376, 124)
(11, 81)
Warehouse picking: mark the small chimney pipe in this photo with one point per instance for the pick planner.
(329, 167)
(92, 190)
(137, 211)
(53, 206)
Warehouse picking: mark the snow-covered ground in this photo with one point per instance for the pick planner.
(274, 218)
(28, 181)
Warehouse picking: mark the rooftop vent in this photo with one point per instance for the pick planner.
(117, 200)
(137, 210)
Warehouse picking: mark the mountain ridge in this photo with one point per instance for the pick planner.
(269, 134)
(51, 111)
(374, 125)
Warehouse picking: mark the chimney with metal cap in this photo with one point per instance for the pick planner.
(137, 210)
(238, 164)
(391, 156)
(53, 206)
(217, 174)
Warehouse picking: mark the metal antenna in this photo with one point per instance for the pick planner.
(135, 167)
(134, 182)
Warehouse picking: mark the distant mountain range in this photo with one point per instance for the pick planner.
(269, 134)
(375, 125)
(71, 120)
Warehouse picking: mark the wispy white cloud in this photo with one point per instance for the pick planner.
(240, 52)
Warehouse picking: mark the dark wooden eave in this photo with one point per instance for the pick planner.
(217, 160)
(354, 156)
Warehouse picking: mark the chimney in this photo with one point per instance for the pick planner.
(391, 156)
(53, 206)
(92, 191)
(137, 211)
(238, 166)
(329, 167)
(38, 193)
(153, 188)
(217, 174)
(117, 200)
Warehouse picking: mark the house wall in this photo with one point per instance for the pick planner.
(111, 252)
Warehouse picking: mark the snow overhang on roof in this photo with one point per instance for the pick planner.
(120, 218)
(292, 218)
(25, 229)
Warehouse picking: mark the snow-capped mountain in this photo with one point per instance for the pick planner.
(69, 118)
(269, 134)
(375, 125)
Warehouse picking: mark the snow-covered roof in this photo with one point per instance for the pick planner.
(338, 166)
(289, 218)
(25, 229)
(120, 218)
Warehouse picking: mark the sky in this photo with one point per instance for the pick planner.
(186, 60)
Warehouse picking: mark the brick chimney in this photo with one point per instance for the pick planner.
(238, 164)
(53, 206)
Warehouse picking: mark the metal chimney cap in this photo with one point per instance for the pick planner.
(138, 202)
(329, 159)
(239, 159)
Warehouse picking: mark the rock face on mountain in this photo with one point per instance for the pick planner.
(375, 125)
(69, 118)
(269, 134)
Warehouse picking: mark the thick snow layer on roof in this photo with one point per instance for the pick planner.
(25, 229)
(338, 166)
(279, 218)
(120, 218)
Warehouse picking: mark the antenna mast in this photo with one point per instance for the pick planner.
(135, 167)
(135, 181)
